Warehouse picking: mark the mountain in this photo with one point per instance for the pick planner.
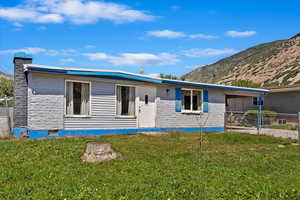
(4, 75)
(273, 63)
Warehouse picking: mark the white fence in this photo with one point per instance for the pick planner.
(6, 121)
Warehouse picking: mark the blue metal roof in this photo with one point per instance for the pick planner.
(207, 85)
(136, 77)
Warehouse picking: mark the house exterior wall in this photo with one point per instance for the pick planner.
(167, 116)
(280, 102)
(46, 106)
(283, 102)
(45, 101)
(240, 104)
(103, 109)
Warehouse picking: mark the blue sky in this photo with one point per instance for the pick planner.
(171, 36)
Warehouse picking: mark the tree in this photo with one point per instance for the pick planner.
(245, 83)
(6, 89)
(168, 76)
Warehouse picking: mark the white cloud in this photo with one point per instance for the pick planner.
(18, 25)
(75, 11)
(38, 50)
(67, 60)
(234, 33)
(135, 59)
(173, 34)
(155, 75)
(90, 47)
(51, 52)
(192, 66)
(166, 34)
(29, 50)
(67, 52)
(202, 36)
(28, 15)
(208, 52)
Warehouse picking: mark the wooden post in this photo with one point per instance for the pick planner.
(298, 125)
(225, 117)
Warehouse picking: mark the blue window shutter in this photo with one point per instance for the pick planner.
(261, 100)
(205, 101)
(178, 99)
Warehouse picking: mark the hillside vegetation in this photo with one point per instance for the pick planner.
(274, 63)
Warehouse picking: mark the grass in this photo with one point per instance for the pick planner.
(286, 127)
(230, 166)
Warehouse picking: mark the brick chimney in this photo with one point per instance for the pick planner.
(20, 89)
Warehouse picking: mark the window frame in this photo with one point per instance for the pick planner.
(90, 98)
(116, 101)
(191, 92)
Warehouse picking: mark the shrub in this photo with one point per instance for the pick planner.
(245, 83)
(268, 115)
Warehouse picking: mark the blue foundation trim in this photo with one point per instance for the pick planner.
(34, 134)
(19, 132)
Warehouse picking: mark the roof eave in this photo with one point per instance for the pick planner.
(93, 73)
(192, 84)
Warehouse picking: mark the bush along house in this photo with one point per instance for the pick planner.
(59, 101)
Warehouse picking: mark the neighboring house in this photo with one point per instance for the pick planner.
(281, 99)
(57, 102)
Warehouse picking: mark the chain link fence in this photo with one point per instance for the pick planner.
(265, 123)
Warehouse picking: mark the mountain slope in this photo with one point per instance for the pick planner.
(4, 75)
(274, 63)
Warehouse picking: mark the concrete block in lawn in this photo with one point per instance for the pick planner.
(97, 152)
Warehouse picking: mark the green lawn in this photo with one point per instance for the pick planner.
(230, 166)
(286, 127)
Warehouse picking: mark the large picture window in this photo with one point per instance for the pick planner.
(125, 101)
(77, 98)
(191, 100)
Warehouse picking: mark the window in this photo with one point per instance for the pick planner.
(282, 121)
(191, 100)
(255, 101)
(125, 101)
(77, 98)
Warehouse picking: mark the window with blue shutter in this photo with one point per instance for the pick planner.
(178, 99)
(205, 101)
(191, 100)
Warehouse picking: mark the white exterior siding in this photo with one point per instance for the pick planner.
(103, 110)
(45, 101)
(167, 117)
(46, 105)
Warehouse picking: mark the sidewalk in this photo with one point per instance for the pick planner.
(265, 131)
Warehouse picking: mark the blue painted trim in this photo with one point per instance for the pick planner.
(177, 99)
(35, 134)
(205, 101)
(142, 78)
(92, 73)
(19, 132)
(174, 82)
(22, 55)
